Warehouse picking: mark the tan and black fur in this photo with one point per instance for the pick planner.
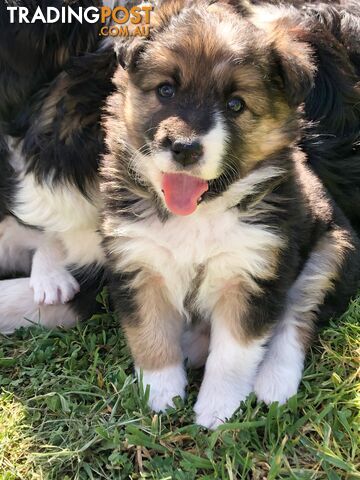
(267, 255)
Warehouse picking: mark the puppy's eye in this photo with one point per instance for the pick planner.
(236, 105)
(166, 90)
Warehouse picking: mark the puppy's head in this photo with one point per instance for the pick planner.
(210, 95)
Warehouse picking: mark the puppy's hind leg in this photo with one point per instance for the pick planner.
(50, 280)
(328, 272)
(280, 373)
(18, 309)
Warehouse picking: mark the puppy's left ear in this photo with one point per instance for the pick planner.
(129, 48)
(128, 52)
(293, 59)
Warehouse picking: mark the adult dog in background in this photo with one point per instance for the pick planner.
(53, 83)
(224, 245)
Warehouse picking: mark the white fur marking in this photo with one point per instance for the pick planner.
(165, 384)
(229, 376)
(214, 143)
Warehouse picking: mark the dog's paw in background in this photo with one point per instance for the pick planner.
(54, 287)
(51, 282)
(165, 384)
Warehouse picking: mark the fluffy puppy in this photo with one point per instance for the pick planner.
(222, 242)
(53, 83)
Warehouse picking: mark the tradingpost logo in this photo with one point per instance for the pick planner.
(124, 22)
(117, 21)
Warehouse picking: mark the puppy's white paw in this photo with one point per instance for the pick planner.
(165, 384)
(57, 286)
(216, 405)
(277, 383)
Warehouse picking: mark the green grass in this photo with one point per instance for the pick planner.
(70, 409)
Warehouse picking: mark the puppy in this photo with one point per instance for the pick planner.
(53, 84)
(222, 242)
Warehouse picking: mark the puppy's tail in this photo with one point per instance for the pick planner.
(18, 309)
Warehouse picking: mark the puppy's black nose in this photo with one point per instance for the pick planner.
(186, 152)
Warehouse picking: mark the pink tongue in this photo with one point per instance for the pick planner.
(182, 192)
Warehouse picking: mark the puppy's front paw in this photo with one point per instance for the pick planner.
(217, 403)
(214, 410)
(165, 384)
(57, 286)
(276, 382)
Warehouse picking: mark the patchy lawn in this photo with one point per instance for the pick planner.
(70, 409)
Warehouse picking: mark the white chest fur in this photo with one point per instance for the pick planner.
(220, 243)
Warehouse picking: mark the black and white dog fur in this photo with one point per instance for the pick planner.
(224, 245)
(53, 83)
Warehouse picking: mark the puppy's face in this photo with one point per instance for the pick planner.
(206, 101)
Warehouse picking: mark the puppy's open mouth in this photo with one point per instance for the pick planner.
(183, 192)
